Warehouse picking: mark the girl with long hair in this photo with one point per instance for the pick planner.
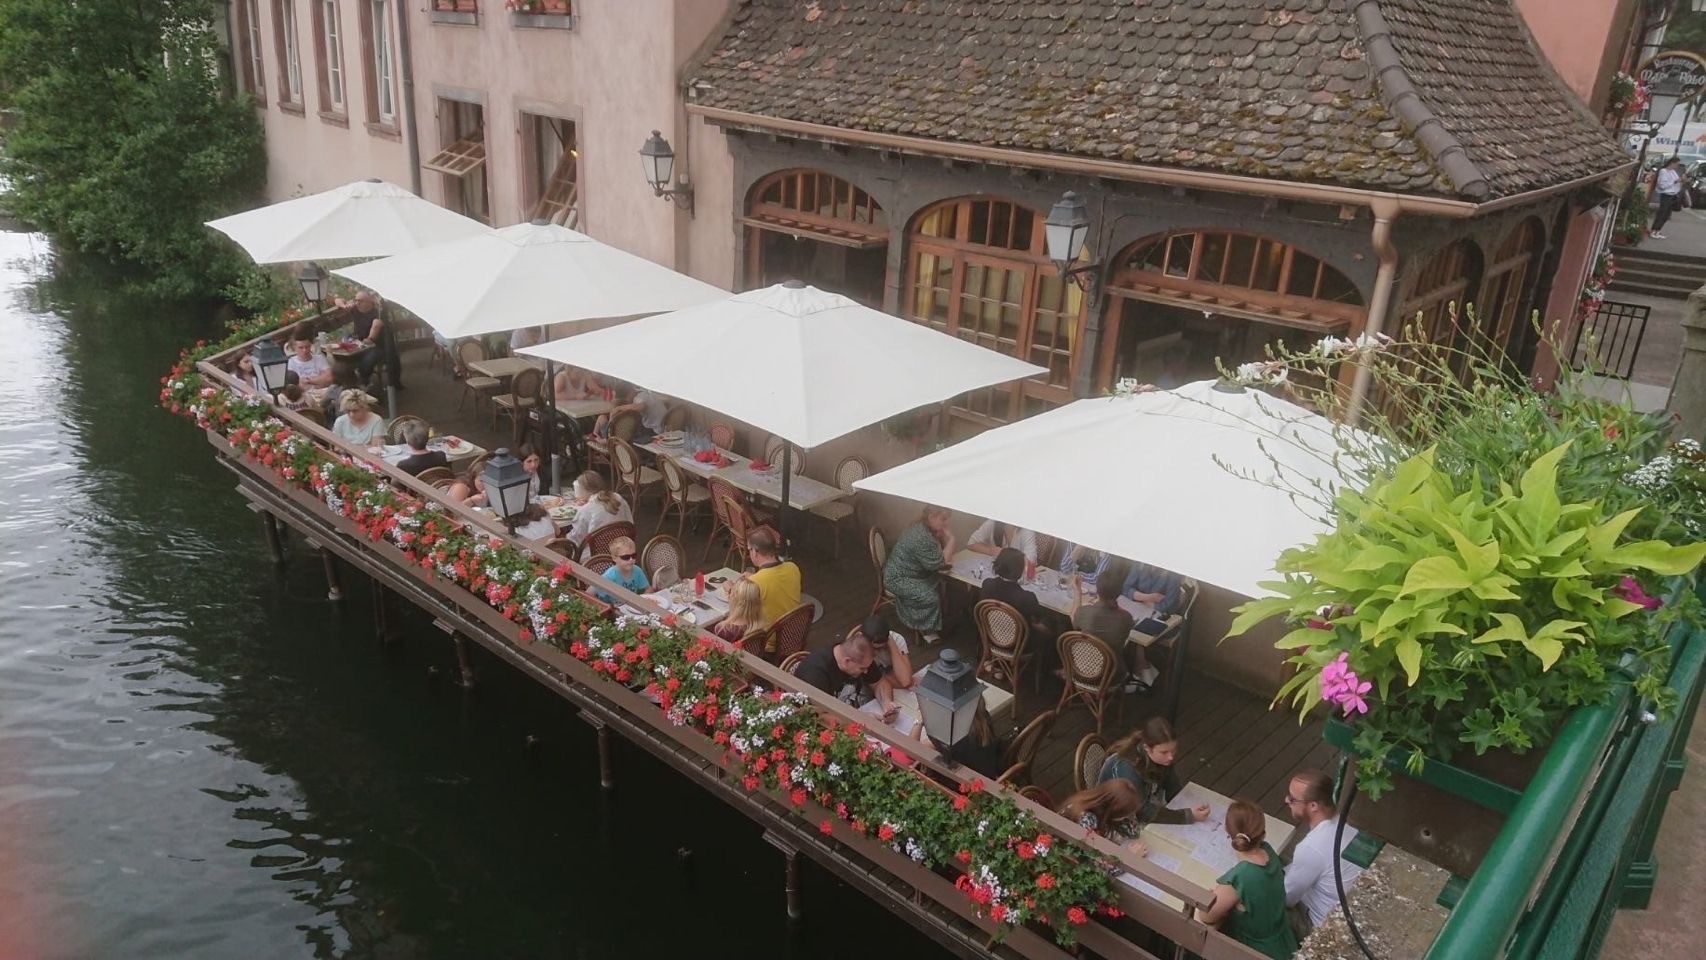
(1144, 758)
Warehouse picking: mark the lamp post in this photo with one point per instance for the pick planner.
(948, 695)
(657, 160)
(1065, 230)
(506, 487)
(314, 280)
(270, 366)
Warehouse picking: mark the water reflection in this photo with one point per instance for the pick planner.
(201, 757)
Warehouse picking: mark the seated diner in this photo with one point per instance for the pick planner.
(357, 423)
(778, 580)
(1108, 622)
(310, 366)
(597, 506)
(746, 612)
(419, 457)
(890, 650)
(1004, 586)
(1249, 899)
(470, 491)
(1108, 809)
(848, 671)
(913, 569)
(993, 536)
(1144, 759)
(625, 572)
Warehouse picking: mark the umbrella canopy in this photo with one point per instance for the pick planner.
(806, 365)
(367, 218)
(526, 275)
(1149, 477)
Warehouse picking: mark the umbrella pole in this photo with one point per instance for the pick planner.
(782, 512)
(548, 420)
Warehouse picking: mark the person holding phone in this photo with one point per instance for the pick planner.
(849, 672)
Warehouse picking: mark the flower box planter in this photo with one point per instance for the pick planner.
(541, 21)
(462, 12)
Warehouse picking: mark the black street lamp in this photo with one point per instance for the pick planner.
(1065, 230)
(506, 487)
(657, 159)
(270, 366)
(314, 280)
(948, 695)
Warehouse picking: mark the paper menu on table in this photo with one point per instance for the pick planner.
(903, 721)
(1206, 839)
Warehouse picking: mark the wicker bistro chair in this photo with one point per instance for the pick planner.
(523, 396)
(1087, 761)
(480, 388)
(433, 475)
(598, 563)
(721, 492)
(792, 661)
(790, 631)
(677, 417)
(623, 426)
(599, 540)
(681, 494)
(773, 454)
(761, 643)
(850, 470)
(1048, 551)
(740, 524)
(1037, 795)
(879, 550)
(1004, 633)
(633, 478)
(664, 560)
(1027, 742)
(1092, 675)
(1013, 775)
(394, 429)
(723, 435)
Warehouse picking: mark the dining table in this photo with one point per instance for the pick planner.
(997, 701)
(1199, 851)
(585, 409)
(704, 611)
(804, 493)
(504, 367)
(1053, 590)
(455, 449)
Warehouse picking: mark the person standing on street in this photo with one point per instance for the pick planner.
(1669, 188)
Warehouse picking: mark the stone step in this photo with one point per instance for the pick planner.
(1649, 290)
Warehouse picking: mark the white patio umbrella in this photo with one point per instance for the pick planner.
(367, 218)
(526, 275)
(1147, 477)
(806, 365)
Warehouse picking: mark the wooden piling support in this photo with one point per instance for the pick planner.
(791, 872)
(334, 585)
(606, 772)
(275, 542)
(381, 612)
(463, 661)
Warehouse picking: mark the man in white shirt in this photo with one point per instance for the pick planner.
(1309, 877)
(311, 368)
(1669, 189)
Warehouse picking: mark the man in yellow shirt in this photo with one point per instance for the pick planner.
(778, 580)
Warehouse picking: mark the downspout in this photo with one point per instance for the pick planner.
(1380, 304)
(409, 130)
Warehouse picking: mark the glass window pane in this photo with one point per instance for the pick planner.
(1301, 282)
(1210, 260)
(978, 232)
(1024, 227)
(1337, 287)
(1000, 222)
(1240, 260)
(1269, 257)
(1153, 259)
(1179, 254)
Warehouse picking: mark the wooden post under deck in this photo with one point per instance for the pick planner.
(275, 542)
(381, 612)
(463, 662)
(606, 774)
(791, 875)
(334, 585)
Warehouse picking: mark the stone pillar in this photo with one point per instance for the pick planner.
(1688, 392)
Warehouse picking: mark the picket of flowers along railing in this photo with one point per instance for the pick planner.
(1006, 862)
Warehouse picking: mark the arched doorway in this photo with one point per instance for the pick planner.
(812, 226)
(1178, 302)
(979, 269)
(1503, 305)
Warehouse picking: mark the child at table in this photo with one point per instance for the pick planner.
(746, 612)
(536, 524)
(1108, 809)
(1144, 758)
(1249, 899)
(625, 572)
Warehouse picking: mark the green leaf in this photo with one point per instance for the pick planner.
(1434, 573)
(1659, 557)
(1603, 537)
(1478, 559)
(1410, 657)
(1495, 587)
(1615, 607)
(1546, 648)
(1539, 504)
(1377, 557)
(1510, 628)
(1254, 612)
(1305, 637)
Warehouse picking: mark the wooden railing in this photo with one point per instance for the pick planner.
(1180, 926)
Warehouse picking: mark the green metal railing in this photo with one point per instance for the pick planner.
(1579, 844)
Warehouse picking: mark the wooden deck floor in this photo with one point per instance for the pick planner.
(1230, 740)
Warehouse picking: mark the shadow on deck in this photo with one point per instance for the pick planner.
(1230, 740)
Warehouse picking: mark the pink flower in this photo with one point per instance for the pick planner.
(1341, 686)
(1631, 591)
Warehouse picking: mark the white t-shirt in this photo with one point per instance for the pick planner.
(540, 529)
(1309, 876)
(306, 370)
(652, 409)
(1670, 182)
(594, 515)
(1019, 539)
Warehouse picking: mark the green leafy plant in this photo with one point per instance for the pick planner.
(1478, 615)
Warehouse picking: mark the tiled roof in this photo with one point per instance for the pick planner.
(1283, 89)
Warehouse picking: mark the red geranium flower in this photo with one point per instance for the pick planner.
(1077, 915)
(1045, 880)
(824, 828)
(798, 797)
(885, 832)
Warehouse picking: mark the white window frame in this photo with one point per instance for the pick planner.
(292, 53)
(384, 97)
(333, 40)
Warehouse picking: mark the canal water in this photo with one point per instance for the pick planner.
(200, 756)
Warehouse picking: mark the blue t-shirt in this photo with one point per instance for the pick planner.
(635, 582)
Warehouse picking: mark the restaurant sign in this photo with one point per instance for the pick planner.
(1680, 70)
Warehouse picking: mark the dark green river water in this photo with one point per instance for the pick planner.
(202, 757)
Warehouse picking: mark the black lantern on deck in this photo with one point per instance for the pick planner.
(948, 695)
(314, 280)
(507, 484)
(270, 367)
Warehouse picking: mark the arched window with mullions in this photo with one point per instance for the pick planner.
(1436, 289)
(813, 226)
(978, 269)
(1500, 310)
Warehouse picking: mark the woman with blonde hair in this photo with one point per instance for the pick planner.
(597, 506)
(1109, 809)
(746, 612)
(1249, 899)
(914, 568)
(357, 423)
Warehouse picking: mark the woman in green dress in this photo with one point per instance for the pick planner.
(913, 569)
(1250, 897)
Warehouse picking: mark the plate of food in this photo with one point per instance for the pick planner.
(548, 501)
(448, 444)
(669, 438)
(564, 512)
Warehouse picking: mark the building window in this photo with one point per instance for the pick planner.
(329, 47)
(249, 43)
(462, 159)
(1500, 311)
(1178, 304)
(381, 78)
(979, 270)
(284, 24)
(814, 227)
(1437, 291)
(553, 174)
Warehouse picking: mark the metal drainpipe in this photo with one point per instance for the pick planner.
(409, 129)
(1385, 211)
